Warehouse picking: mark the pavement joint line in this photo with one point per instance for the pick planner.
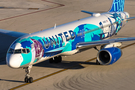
(53, 2)
(63, 70)
(18, 8)
(59, 5)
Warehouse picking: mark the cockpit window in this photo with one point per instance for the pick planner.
(11, 51)
(27, 50)
(19, 51)
(23, 50)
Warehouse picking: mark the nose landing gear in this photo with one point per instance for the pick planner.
(27, 78)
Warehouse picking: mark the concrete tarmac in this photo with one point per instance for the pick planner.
(76, 72)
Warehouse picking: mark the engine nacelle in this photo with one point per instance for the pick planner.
(107, 56)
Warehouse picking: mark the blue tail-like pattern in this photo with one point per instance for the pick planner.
(117, 6)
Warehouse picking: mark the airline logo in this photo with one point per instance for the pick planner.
(118, 6)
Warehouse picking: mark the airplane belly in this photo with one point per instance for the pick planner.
(69, 53)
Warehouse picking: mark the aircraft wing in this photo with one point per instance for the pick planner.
(91, 13)
(103, 42)
(12, 33)
(131, 18)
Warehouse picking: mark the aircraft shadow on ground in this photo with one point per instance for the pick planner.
(3, 62)
(65, 64)
(12, 80)
(5, 42)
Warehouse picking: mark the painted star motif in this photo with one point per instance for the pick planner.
(115, 15)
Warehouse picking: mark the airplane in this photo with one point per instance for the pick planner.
(71, 38)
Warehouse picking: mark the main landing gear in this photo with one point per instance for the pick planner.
(97, 62)
(27, 78)
(56, 59)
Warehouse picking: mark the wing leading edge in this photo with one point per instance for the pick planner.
(103, 42)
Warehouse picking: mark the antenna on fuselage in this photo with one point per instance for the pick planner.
(55, 26)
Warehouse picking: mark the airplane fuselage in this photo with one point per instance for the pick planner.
(62, 39)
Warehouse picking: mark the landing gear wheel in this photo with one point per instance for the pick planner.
(51, 60)
(59, 58)
(56, 60)
(97, 62)
(30, 80)
(26, 79)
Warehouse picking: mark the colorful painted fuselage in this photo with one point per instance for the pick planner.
(62, 40)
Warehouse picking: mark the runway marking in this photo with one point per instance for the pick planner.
(63, 70)
(128, 45)
(59, 5)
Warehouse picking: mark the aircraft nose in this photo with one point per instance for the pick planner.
(14, 60)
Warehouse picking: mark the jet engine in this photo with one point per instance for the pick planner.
(107, 56)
